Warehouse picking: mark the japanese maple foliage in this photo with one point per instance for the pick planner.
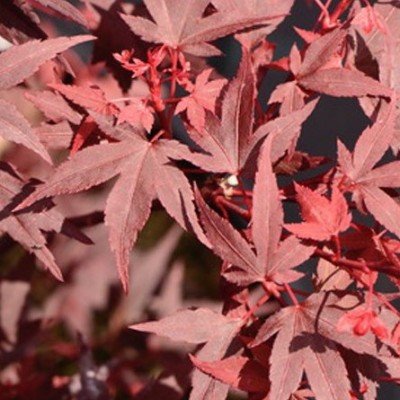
(129, 126)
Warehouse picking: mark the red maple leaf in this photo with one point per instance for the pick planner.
(21, 61)
(60, 8)
(231, 152)
(274, 259)
(203, 96)
(137, 114)
(237, 371)
(190, 31)
(129, 204)
(89, 97)
(27, 229)
(363, 180)
(200, 326)
(307, 341)
(15, 127)
(322, 218)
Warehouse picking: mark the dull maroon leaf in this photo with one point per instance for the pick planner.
(65, 9)
(285, 130)
(27, 229)
(12, 296)
(272, 262)
(92, 98)
(21, 61)
(236, 371)
(226, 241)
(189, 30)
(153, 262)
(301, 345)
(149, 161)
(14, 127)
(342, 82)
(54, 107)
(229, 152)
(143, 140)
(320, 52)
(192, 326)
(369, 148)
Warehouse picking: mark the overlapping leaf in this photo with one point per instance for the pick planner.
(230, 143)
(90, 98)
(380, 44)
(182, 25)
(54, 107)
(321, 71)
(145, 172)
(203, 97)
(199, 326)
(366, 182)
(27, 228)
(14, 127)
(307, 340)
(323, 218)
(273, 260)
(65, 9)
(21, 61)
(237, 371)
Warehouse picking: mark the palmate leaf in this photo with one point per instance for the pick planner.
(152, 263)
(205, 387)
(27, 229)
(202, 98)
(145, 172)
(182, 25)
(307, 341)
(272, 260)
(254, 7)
(377, 50)
(267, 212)
(320, 52)
(287, 365)
(199, 326)
(285, 131)
(290, 96)
(191, 326)
(321, 71)
(231, 153)
(322, 218)
(227, 242)
(299, 352)
(382, 40)
(366, 182)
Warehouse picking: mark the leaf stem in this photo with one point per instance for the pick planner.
(291, 294)
(260, 302)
